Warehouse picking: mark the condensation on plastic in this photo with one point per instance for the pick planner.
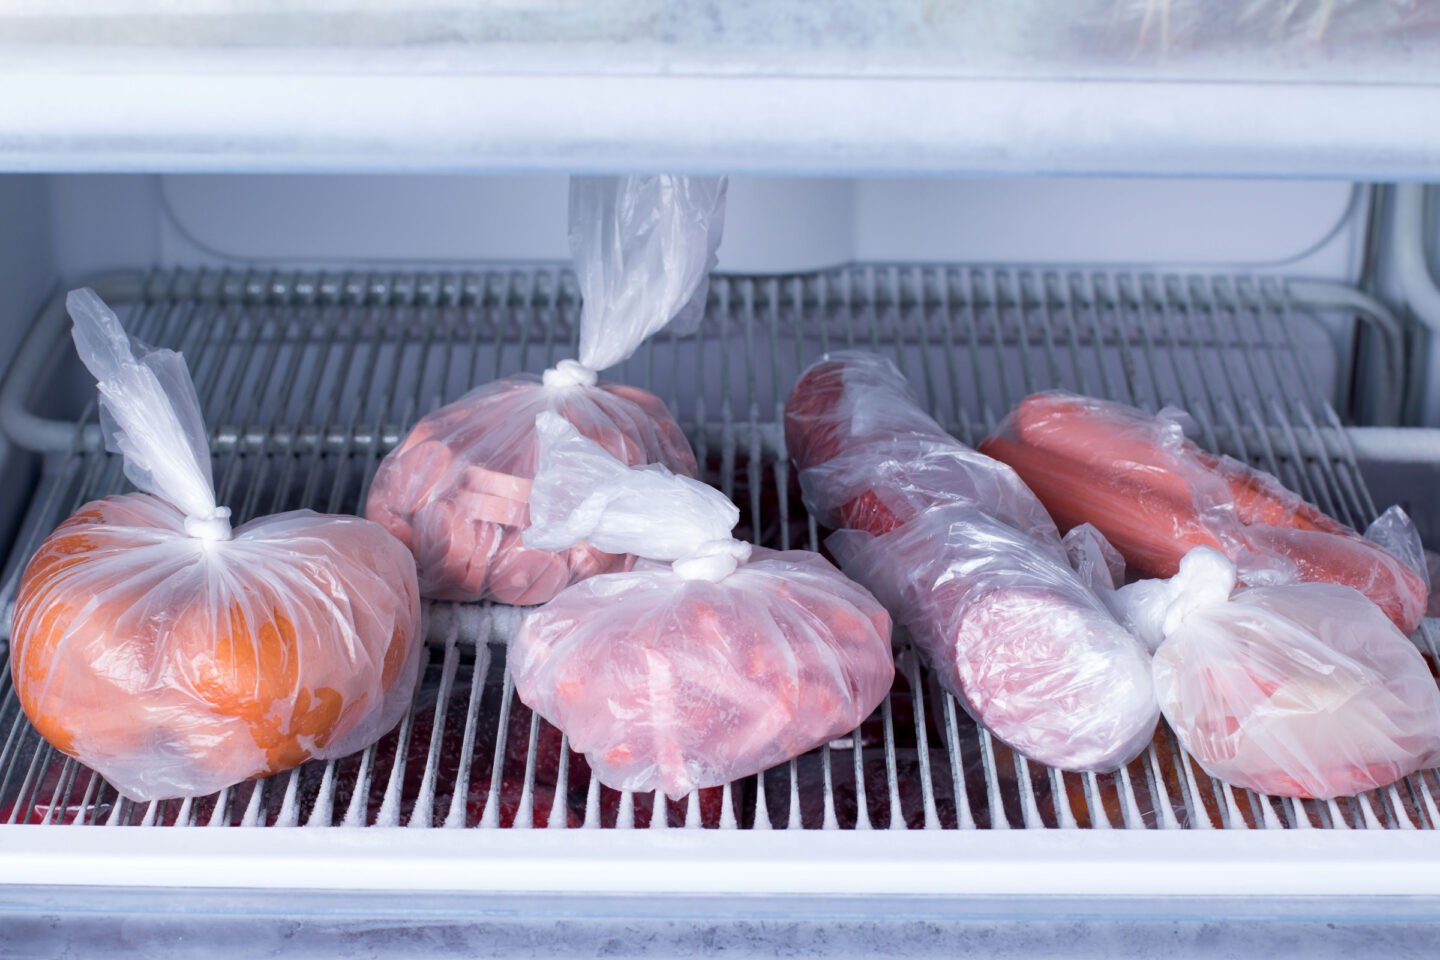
(967, 559)
(176, 656)
(1155, 495)
(1299, 690)
(457, 490)
(685, 675)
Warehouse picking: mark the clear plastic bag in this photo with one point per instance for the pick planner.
(456, 491)
(969, 562)
(1155, 495)
(644, 248)
(1299, 690)
(176, 656)
(690, 674)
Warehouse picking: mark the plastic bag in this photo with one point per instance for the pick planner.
(1300, 690)
(457, 490)
(1155, 495)
(684, 675)
(176, 656)
(967, 559)
(644, 248)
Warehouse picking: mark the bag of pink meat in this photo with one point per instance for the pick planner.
(711, 660)
(967, 560)
(457, 490)
(1298, 690)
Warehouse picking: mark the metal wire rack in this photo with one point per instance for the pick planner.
(307, 380)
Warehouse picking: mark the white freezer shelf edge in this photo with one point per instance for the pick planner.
(1037, 863)
(308, 121)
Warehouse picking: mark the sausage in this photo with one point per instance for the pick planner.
(456, 491)
(680, 685)
(965, 557)
(1155, 496)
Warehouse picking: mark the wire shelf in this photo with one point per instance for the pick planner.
(308, 380)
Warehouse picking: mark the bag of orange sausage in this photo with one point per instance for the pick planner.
(177, 655)
(1156, 495)
(457, 490)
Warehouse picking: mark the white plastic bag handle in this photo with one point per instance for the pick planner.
(644, 247)
(150, 415)
(582, 492)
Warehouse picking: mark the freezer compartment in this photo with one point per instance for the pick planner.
(309, 378)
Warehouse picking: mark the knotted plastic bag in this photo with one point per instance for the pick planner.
(1155, 495)
(709, 661)
(177, 656)
(457, 490)
(965, 557)
(1298, 690)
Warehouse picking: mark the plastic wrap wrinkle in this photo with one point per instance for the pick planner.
(176, 656)
(694, 673)
(1093, 558)
(968, 560)
(1155, 495)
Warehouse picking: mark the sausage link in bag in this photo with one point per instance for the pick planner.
(1297, 690)
(177, 656)
(457, 490)
(965, 557)
(1155, 495)
(711, 660)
